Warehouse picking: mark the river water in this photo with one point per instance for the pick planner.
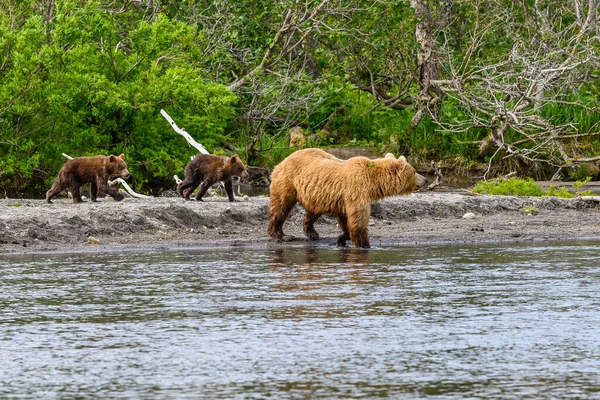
(494, 321)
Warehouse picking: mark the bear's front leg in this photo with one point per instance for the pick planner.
(345, 236)
(94, 192)
(229, 189)
(358, 221)
(111, 191)
(360, 238)
(74, 189)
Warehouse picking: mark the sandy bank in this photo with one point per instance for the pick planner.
(417, 219)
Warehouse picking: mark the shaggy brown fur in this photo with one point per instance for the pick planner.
(208, 170)
(324, 184)
(96, 170)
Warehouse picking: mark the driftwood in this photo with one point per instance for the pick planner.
(128, 189)
(591, 198)
(438, 176)
(117, 182)
(183, 133)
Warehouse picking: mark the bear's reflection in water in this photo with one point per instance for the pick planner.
(313, 282)
(314, 255)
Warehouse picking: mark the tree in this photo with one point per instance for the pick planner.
(86, 79)
(522, 74)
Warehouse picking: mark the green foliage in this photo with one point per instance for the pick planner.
(90, 77)
(562, 192)
(578, 186)
(527, 187)
(276, 155)
(93, 82)
(509, 187)
(582, 173)
(529, 210)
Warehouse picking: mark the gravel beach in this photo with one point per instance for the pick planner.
(424, 218)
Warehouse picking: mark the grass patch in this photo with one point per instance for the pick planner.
(527, 187)
(529, 210)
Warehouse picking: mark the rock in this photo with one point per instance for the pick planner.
(93, 240)
(469, 215)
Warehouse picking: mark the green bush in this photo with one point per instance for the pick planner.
(509, 187)
(527, 187)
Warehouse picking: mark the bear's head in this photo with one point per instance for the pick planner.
(413, 180)
(236, 167)
(402, 178)
(115, 166)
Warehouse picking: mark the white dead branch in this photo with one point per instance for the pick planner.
(438, 175)
(183, 133)
(591, 198)
(128, 189)
(189, 139)
(116, 182)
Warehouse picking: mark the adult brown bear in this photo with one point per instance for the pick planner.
(95, 170)
(208, 170)
(324, 184)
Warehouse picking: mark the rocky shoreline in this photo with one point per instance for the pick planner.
(425, 218)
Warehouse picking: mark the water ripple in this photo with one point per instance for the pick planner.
(303, 322)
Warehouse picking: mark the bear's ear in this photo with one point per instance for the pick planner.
(234, 158)
(122, 156)
(389, 155)
(399, 165)
(112, 158)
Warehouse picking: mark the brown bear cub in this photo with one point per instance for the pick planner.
(95, 170)
(324, 184)
(208, 170)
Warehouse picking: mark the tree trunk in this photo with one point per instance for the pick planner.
(428, 100)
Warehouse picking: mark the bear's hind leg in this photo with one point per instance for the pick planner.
(54, 190)
(187, 193)
(309, 225)
(204, 188)
(279, 209)
(187, 186)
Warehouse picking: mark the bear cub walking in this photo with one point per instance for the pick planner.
(207, 170)
(95, 170)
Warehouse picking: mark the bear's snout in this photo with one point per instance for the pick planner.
(125, 174)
